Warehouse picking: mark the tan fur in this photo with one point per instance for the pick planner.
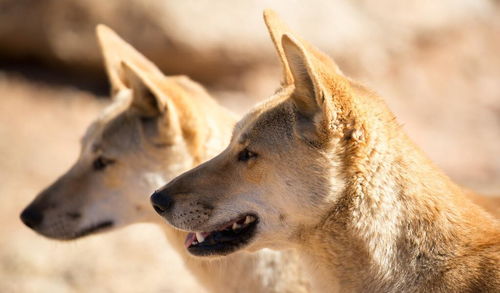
(332, 175)
(156, 128)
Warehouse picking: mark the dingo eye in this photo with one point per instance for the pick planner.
(101, 163)
(246, 155)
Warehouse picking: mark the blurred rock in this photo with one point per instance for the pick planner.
(212, 41)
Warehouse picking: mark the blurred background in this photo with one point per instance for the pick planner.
(437, 64)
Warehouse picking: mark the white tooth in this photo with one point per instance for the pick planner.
(236, 226)
(249, 219)
(199, 237)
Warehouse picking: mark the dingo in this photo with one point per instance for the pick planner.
(157, 128)
(324, 167)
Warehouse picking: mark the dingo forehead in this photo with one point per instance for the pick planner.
(268, 121)
(116, 129)
(96, 128)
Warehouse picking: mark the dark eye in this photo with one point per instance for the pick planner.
(246, 155)
(101, 163)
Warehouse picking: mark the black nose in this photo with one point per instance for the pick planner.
(161, 202)
(32, 217)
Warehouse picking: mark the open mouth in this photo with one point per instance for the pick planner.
(229, 238)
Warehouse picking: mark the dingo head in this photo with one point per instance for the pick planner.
(156, 128)
(286, 165)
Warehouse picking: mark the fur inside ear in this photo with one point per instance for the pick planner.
(115, 50)
(314, 112)
(306, 85)
(146, 100)
(277, 29)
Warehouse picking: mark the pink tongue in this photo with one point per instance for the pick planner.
(189, 239)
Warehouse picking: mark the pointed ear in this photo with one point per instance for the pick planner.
(147, 100)
(307, 89)
(277, 28)
(115, 50)
(309, 96)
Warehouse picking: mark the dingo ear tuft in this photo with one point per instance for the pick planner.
(309, 95)
(115, 50)
(147, 101)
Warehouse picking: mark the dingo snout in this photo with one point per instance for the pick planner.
(215, 228)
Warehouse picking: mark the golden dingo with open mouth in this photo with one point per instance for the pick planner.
(323, 167)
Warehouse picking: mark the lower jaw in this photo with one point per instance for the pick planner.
(100, 227)
(231, 243)
(215, 250)
(94, 229)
